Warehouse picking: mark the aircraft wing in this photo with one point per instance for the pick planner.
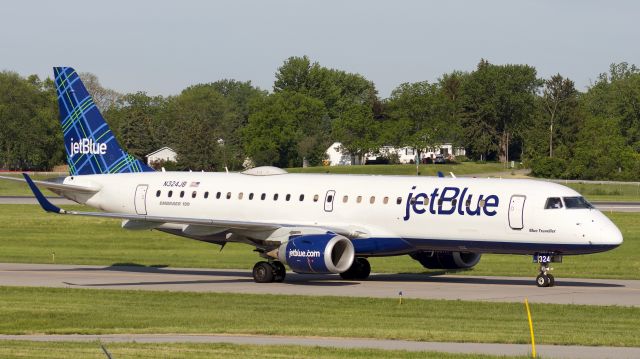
(56, 187)
(226, 224)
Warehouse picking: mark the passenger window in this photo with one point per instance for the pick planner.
(275, 196)
(250, 196)
(206, 195)
(385, 200)
(193, 194)
(315, 198)
(454, 202)
(440, 202)
(329, 198)
(481, 203)
(553, 203)
(263, 196)
(345, 199)
(218, 195)
(467, 203)
(158, 193)
(359, 199)
(240, 195)
(399, 200)
(412, 201)
(372, 200)
(228, 195)
(287, 197)
(301, 197)
(181, 194)
(170, 194)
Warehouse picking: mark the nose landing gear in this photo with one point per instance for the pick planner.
(546, 279)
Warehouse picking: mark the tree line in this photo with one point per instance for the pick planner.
(496, 112)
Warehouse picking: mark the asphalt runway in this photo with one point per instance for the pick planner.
(546, 351)
(423, 286)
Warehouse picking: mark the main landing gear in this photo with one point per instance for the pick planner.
(359, 270)
(267, 272)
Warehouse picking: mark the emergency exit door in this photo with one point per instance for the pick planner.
(516, 212)
(141, 199)
(329, 198)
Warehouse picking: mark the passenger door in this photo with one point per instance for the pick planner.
(140, 202)
(329, 198)
(516, 212)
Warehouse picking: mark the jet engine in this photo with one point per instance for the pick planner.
(446, 260)
(317, 253)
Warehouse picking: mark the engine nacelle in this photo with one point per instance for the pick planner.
(446, 260)
(317, 253)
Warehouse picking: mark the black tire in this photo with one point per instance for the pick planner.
(359, 270)
(364, 268)
(542, 280)
(263, 272)
(279, 271)
(552, 280)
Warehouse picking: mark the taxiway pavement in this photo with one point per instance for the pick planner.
(546, 351)
(423, 286)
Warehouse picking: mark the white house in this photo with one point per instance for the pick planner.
(164, 154)
(338, 156)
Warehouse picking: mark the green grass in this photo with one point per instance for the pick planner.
(607, 191)
(29, 235)
(88, 311)
(73, 350)
(463, 168)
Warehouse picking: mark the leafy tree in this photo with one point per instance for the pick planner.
(601, 152)
(201, 123)
(135, 121)
(499, 101)
(283, 129)
(560, 100)
(30, 136)
(416, 111)
(357, 130)
(103, 97)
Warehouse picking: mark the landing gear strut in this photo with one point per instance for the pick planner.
(267, 272)
(359, 270)
(545, 279)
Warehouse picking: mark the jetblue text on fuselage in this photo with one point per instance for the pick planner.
(86, 146)
(450, 201)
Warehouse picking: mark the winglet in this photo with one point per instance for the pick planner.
(44, 202)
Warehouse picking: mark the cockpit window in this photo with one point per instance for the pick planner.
(576, 202)
(553, 203)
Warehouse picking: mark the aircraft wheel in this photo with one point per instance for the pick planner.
(542, 280)
(263, 272)
(552, 280)
(359, 270)
(279, 271)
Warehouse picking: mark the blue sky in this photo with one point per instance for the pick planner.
(163, 46)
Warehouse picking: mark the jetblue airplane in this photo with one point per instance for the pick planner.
(318, 223)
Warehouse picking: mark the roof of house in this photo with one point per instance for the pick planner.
(162, 149)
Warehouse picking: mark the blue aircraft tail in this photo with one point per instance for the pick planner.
(90, 145)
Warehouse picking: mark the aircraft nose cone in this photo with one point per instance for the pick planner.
(613, 235)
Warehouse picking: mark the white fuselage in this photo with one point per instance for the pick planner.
(395, 214)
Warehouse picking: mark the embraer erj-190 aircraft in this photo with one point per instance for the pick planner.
(318, 223)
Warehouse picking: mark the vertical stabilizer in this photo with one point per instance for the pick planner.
(90, 145)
